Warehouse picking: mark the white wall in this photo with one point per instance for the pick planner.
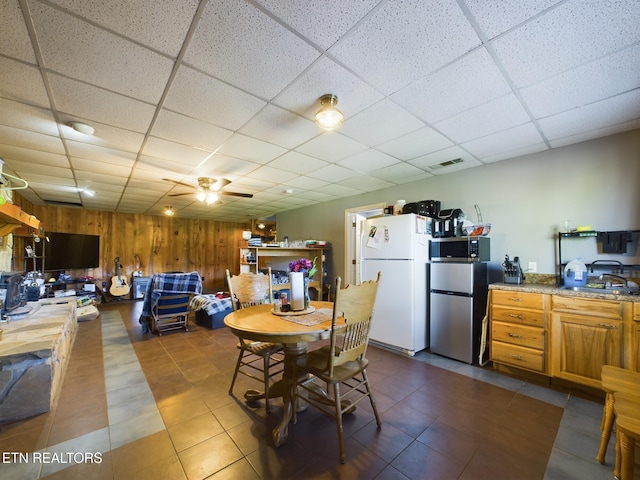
(526, 199)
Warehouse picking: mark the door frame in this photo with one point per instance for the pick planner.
(353, 220)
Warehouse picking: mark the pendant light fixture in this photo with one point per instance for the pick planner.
(329, 117)
(169, 211)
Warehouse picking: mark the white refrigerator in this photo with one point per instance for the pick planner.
(398, 246)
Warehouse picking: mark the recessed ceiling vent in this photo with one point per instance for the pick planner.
(63, 204)
(447, 163)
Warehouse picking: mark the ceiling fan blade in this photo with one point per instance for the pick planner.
(179, 194)
(219, 184)
(236, 194)
(178, 183)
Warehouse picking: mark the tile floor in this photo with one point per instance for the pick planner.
(142, 406)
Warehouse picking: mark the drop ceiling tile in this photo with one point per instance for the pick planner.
(468, 82)
(518, 152)
(11, 154)
(495, 18)
(368, 161)
(104, 156)
(105, 136)
(420, 142)
(26, 117)
(339, 191)
(365, 183)
(457, 167)
(318, 197)
(231, 168)
(35, 141)
(496, 115)
(86, 101)
(25, 167)
(197, 95)
(83, 176)
(99, 167)
(333, 173)
(160, 25)
(514, 138)
(570, 35)
(612, 111)
(121, 66)
(380, 123)
(426, 161)
(588, 83)
(297, 162)
(600, 132)
(52, 176)
(239, 27)
(305, 183)
(406, 41)
(331, 147)
(281, 127)
(270, 174)
(156, 186)
(400, 173)
(323, 77)
(189, 131)
(251, 149)
(15, 37)
(310, 18)
(22, 83)
(169, 168)
(176, 152)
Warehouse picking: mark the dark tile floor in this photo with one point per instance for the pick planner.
(137, 405)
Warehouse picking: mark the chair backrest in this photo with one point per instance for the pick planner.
(249, 289)
(355, 304)
(169, 304)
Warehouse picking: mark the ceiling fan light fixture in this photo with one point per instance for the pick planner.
(329, 117)
(82, 128)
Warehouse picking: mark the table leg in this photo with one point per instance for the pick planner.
(292, 352)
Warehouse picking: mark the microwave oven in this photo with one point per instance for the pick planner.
(460, 249)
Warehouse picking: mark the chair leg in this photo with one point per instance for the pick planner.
(606, 427)
(373, 402)
(338, 409)
(266, 361)
(235, 372)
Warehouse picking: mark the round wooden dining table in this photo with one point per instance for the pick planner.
(259, 323)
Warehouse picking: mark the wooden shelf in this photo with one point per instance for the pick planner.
(12, 217)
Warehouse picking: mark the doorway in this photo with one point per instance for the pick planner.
(353, 223)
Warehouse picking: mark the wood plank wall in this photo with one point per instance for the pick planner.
(152, 244)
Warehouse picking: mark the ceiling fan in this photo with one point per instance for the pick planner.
(208, 189)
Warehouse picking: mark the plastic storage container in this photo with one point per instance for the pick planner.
(575, 274)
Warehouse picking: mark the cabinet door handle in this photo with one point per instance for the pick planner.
(606, 325)
(513, 335)
(516, 357)
(514, 315)
(515, 299)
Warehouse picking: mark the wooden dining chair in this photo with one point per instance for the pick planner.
(263, 358)
(627, 409)
(342, 363)
(614, 379)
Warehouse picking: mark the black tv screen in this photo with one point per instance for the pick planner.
(67, 251)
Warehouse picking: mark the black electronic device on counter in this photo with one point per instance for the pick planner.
(448, 223)
(12, 292)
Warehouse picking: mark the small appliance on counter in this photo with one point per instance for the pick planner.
(448, 223)
(575, 274)
(512, 270)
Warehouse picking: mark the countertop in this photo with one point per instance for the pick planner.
(553, 290)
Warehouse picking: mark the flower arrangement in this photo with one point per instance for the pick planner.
(304, 265)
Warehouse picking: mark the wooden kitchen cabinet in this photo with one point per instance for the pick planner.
(635, 338)
(519, 329)
(586, 334)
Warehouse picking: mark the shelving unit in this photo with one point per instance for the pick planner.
(607, 265)
(36, 241)
(253, 259)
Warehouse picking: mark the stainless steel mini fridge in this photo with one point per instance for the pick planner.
(458, 300)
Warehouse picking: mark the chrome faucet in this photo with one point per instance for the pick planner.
(625, 282)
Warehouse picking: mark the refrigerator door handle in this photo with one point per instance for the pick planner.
(448, 292)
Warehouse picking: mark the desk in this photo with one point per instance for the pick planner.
(259, 324)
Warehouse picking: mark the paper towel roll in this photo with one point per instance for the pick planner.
(296, 283)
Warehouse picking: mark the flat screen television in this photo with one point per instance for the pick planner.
(72, 251)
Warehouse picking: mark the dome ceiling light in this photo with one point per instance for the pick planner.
(329, 117)
(82, 128)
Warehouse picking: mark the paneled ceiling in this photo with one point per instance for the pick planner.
(182, 89)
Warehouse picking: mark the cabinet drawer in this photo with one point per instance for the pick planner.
(585, 306)
(636, 311)
(518, 335)
(517, 299)
(526, 317)
(520, 357)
